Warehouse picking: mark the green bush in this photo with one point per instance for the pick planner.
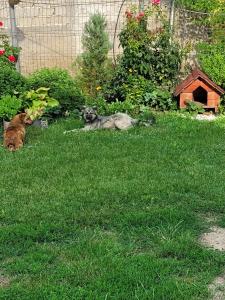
(62, 87)
(94, 65)
(153, 55)
(149, 59)
(211, 58)
(9, 107)
(136, 88)
(193, 107)
(36, 102)
(105, 108)
(128, 86)
(159, 99)
(11, 81)
(198, 5)
(139, 91)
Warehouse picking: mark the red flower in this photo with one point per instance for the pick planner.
(155, 2)
(141, 14)
(12, 58)
(128, 14)
(1, 23)
(2, 51)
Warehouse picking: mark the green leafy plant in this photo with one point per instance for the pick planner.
(9, 107)
(221, 109)
(37, 102)
(145, 114)
(211, 58)
(62, 87)
(159, 99)
(198, 5)
(152, 56)
(136, 87)
(105, 108)
(94, 64)
(193, 107)
(11, 81)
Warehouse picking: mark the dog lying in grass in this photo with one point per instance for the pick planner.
(14, 135)
(120, 121)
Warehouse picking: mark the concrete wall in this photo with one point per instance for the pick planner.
(50, 31)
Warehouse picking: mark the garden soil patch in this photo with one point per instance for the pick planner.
(217, 288)
(4, 281)
(216, 239)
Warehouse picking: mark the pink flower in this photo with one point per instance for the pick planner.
(1, 23)
(128, 14)
(155, 2)
(140, 16)
(12, 58)
(2, 51)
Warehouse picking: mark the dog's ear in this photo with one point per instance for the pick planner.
(95, 107)
(82, 109)
(22, 116)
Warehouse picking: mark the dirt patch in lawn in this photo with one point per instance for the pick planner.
(215, 239)
(217, 288)
(4, 280)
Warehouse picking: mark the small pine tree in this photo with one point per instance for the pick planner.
(94, 63)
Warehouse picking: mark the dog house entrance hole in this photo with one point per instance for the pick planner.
(200, 95)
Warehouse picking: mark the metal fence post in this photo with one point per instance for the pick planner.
(13, 31)
(141, 5)
(172, 14)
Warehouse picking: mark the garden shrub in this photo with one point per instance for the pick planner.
(136, 88)
(139, 91)
(193, 107)
(106, 108)
(211, 58)
(199, 5)
(149, 60)
(94, 65)
(9, 107)
(153, 56)
(159, 99)
(11, 81)
(62, 87)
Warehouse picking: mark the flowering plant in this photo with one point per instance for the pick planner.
(155, 2)
(149, 50)
(151, 58)
(8, 53)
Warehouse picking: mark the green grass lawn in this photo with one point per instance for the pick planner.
(112, 215)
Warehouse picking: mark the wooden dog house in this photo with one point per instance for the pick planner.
(199, 88)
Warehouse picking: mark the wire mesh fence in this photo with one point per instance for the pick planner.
(50, 31)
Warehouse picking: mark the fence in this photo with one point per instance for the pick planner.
(50, 31)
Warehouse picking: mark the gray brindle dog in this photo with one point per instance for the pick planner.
(119, 121)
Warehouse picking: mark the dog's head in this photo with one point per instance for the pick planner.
(25, 119)
(89, 114)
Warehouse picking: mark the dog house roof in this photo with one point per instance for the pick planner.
(196, 74)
